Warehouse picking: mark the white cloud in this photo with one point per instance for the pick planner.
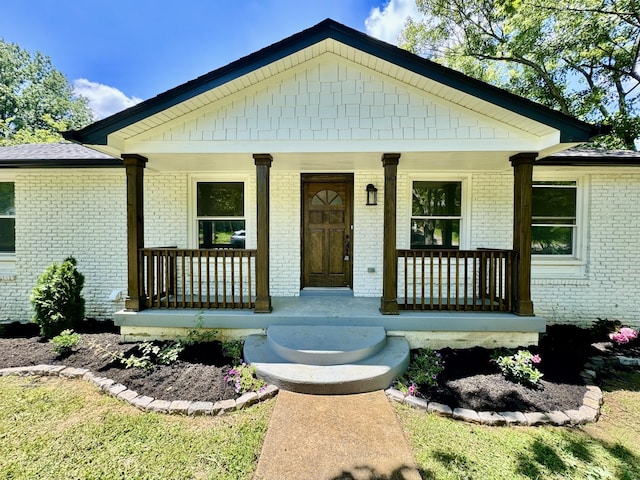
(386, 24)
(103, 99)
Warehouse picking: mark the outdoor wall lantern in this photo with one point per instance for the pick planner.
(372, 195)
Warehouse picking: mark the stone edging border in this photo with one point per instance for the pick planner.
(588, 412)
(143, 402)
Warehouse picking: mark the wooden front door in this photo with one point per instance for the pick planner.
(326, 230)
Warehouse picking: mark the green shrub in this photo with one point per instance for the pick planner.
(519, 367)
(425, 367)
(233, 350)
(64, 343)
(57, 299)
(601, 328)
(244, 379)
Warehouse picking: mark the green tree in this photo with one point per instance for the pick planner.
(36, 100)
(577, 56)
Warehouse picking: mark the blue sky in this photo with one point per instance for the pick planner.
(118, 52)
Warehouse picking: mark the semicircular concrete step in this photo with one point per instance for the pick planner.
(324, 344)
(373, 373)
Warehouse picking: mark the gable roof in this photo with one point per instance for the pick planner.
(54, 155)
(571, 130)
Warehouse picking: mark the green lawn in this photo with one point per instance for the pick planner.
(608, 449)
(53, 428)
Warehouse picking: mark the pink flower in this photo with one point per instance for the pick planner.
(630, 333)
(536, 359)
(619, 338)
(411, 391)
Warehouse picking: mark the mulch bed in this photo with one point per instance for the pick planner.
(198, 375)
(470, 379)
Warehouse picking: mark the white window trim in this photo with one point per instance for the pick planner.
(8, 260)
(566, 266)
(192, 237)
(465, 207)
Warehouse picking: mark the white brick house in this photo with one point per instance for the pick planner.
(275, 151)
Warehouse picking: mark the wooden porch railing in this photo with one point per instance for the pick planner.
(218, 278)
(464, 280)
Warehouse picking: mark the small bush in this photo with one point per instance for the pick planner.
(146, 354)
(57, 299)
(424, 369)
(64, 343)
(519, 367)
(601, 328)
(232, 349)
(243, 377)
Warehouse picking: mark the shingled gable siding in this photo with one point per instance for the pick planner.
(327, 100)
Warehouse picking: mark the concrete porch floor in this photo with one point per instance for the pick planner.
(421, 328)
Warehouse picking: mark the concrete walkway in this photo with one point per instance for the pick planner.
(335, 437)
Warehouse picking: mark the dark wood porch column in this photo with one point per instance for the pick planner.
(263, 299)
(389, 300)
(134, 166)
(523, 178)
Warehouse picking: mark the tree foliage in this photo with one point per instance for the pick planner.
(580, 57)
(36, 100)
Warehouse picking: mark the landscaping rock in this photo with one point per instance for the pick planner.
(72, 372)
(394, 394)
(514, 417)
(161, 406)
(558, 418)
(269, 391)
(536, 418)
(416, 402)
(466, 414)
(179, 406)
(224, 406)
(142, 402)
(440, 408)
(115, 389)
(200, 408)
(246, 400)
(127, 395)
(492, 418)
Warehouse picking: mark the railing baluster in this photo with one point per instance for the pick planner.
(486, 283)
(457, 284)
(431, 280)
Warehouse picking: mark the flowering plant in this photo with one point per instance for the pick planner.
(623, 335)
(519, 367)
(243, 377)
(423, 370)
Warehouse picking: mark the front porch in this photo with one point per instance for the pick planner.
(452, 279)
(435, 329)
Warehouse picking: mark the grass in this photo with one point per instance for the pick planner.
(608, 449)
(51, 429)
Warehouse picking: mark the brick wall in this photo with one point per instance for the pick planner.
(83, 213)
(68, 212)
